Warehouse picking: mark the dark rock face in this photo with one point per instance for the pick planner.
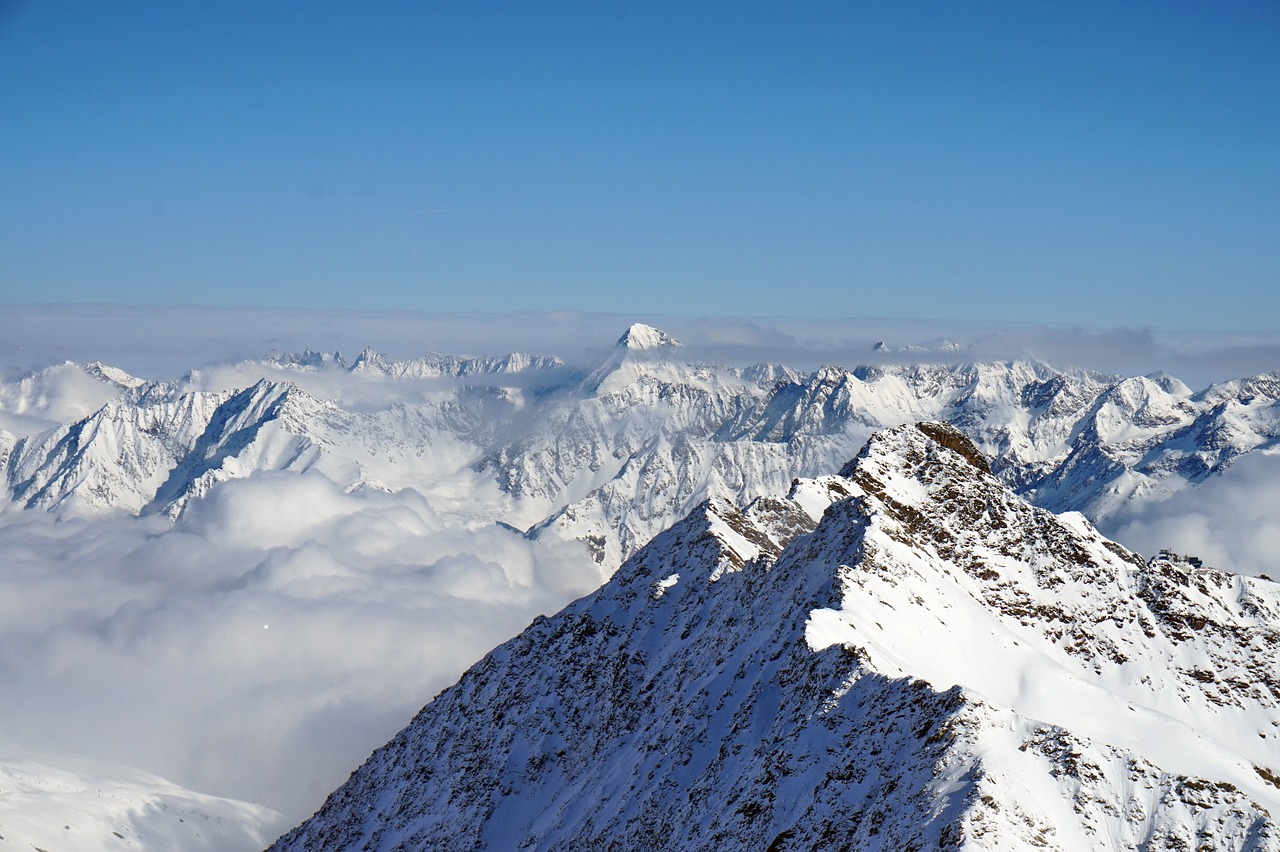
(948, 436)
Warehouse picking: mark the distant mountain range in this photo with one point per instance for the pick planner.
(609, 455)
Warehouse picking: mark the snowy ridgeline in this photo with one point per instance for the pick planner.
(906, 655)
(608, 456)
(86, 806)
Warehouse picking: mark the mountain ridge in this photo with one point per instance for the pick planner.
(749, 679)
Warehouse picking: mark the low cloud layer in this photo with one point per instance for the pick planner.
(260, 648)
(1230, 520)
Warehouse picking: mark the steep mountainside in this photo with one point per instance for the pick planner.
(904, 656)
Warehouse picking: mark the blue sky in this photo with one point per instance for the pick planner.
(1087, 163)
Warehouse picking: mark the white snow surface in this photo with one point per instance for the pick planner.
(50, 802)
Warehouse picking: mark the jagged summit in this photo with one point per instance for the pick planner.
(906, 655)
(370, 360)
(640, 337)
(310, 359)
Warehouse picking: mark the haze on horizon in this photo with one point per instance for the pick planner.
(159, 342)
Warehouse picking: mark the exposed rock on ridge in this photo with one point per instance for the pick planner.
(903, 656)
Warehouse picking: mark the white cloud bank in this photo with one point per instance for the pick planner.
(260, 648)
(1231, 520)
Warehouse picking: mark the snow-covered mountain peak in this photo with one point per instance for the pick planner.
(308, 359)
(113, 375)
(934, 664)
(1265, 386)
(370, 360)
(1169, 384)
(829, 375)
(640, 337)
(646, 360)
(969, 573)
(902, 451)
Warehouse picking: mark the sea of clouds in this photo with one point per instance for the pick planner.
(263, 644)
(1231, 520)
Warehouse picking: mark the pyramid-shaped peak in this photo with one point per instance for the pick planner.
(641, 337)
(370, 360)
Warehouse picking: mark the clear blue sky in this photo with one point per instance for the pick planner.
(1078, 162)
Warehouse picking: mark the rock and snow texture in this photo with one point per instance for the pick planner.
(86, 806)
(640, 336)
(903, 656)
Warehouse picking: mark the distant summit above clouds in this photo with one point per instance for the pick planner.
(641, 337)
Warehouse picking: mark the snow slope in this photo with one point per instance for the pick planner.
(904, 656)
(79, 805)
